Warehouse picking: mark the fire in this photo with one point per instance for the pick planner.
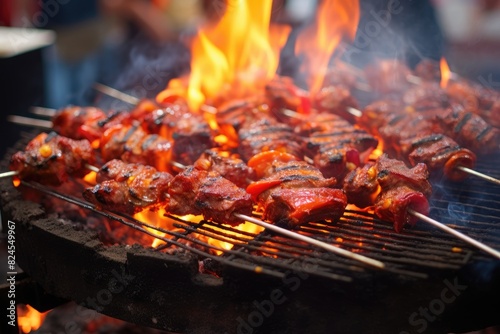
(445, 72)
(335, 18)
(29, 319)
(227, 245)
(239, 54)
(157, 219)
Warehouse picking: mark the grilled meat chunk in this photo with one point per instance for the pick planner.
(133, 145)
(336, 99)
(128, 187)
(441, 154)
(361, 185)
(469, 130)
(390, 188)
(200, 192)
(295, 192)
(266, 135)
(233, 169)
(393, 204)
(393, 173)
(51, 159)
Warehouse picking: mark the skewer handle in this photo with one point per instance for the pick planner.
(459, 235)
(328, 247)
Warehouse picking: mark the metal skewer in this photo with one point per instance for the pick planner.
(42, 111)
(28, 121)
(116, 94)
(312, 241)
(459, 235)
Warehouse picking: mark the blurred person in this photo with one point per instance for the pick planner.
(78, 58)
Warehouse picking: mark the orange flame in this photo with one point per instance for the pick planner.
(239, 54)
(29, 319)
(335, 18)
(445, 72)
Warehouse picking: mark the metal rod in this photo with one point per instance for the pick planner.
(37, 123)
(116, 94)
(9, 173)
(479, 174)
(312, 241)
(42, 111)
(459, 235)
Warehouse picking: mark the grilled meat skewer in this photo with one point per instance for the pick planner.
(128, 187)
(294, 192)
(52, 159)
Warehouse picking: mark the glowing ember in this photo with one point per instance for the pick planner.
(29, 319)
(239, 55)
(445, 73)
(335, 18)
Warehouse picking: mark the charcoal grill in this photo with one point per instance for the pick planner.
(266, 283)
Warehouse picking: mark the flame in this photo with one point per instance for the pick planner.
(239, 54)
(157, 219)
(245, 227)
(377, 152)
(29, 319)
(445, 72)
(334, 19)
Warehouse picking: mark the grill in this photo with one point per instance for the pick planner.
(270, 283)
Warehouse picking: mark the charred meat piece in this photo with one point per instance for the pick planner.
(131, 144)
(441, 154)
(326, 129)
(129, 188)
(200, 192)
(232, 168)
(361, 185)
(52, 159)
(393, 204)
(232, 115)
(336, 100)
(79, 122)
(281, 92)
(376, 114)
(265, 135)
(426, 96)
(393, 173)
(298, 206)
(388, 76)
(335, 145)
(428, 70)
(469, 130)
(390, 188)
(418, 139)
(295, 192)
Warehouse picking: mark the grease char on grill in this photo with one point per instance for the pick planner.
(295, 192)
(128, 187)
(52, 159)
(205, 192)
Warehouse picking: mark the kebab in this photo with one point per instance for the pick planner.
(398, 193)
